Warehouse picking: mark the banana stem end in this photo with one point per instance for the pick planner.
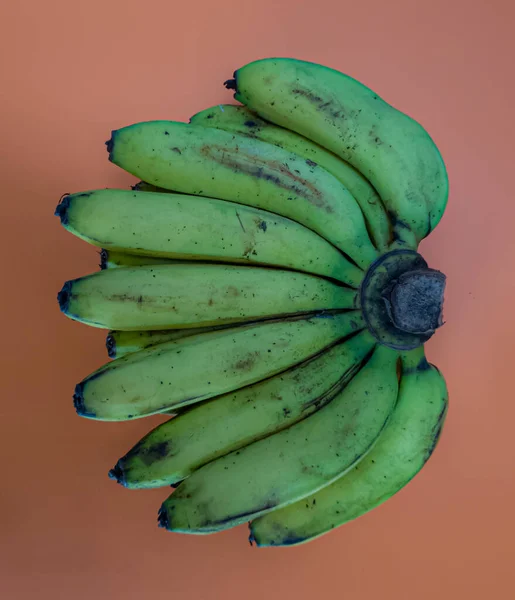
(414, 301)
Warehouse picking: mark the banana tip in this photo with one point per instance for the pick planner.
(111, 346)
(162, 518)
(117, 474)
(252, 539)
(61, 209)
(110, 145)
(63, 297)
(78, 399)
(232, 84)
(103, 259)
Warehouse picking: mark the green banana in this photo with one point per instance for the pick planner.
(240, 119)
(292, 463)
(120, 343)
(143, 186)
(179, 373)
(402, 450)
(390, 149)
(176, 448)
(211, 162)
(195, 228)
(111, 259)
(195, 295)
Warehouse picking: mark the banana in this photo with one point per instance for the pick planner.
(292, 463)
(120, 343)
(176, 448)
(240, 119)
(143, 186)
(390, 149)
(404, 447)
(188, 227)
(179, 373)
(110, 259)
(191, 295)
(211, 162)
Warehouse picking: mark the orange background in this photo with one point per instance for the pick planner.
(74, 70)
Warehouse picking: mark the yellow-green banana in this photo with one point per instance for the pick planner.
(401, 451)
(194, 228)
(111, 259)
(176, 448)
(390, 149)
(240, 119)
(292, 463)
(195, 295)
(120, 343)
(211, 162)
(192, 369)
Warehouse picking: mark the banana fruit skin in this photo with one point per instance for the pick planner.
(178, 226)
(178, 447)
(291, 464)
(194, 295)
(210, 162)
(111, 259)
(400, 453)
(179, 373)
(121, 343)
(240, 119)
(389, 148)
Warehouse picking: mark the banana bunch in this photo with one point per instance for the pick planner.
(261, 287)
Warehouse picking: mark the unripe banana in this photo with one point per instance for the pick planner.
(195, 295)
(240, 119)
(176, 448)
(211, 162)
(292, 463)
(179, 373)
(185, 227)
(111, 259)
(389, 148)
(404, 447)
(120, 343)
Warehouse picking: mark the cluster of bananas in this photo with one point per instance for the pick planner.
(262, 285)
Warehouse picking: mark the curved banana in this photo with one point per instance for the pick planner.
(195, 295)
(121, 343)
(211, 162)
(240, 119)
(173, 450)
(292, 463)
(402, 450)
(192, 228)
(111, 259)
(390, 149)
(179, 373)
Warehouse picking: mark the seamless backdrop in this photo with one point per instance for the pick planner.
(71, 72)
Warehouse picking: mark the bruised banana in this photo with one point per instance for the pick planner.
(211, 162)
(240, 119)
(402, 450)
(292, 463)
(195, 295)
(390, 149)
(182, 372)
(178, 447)
(185, 227)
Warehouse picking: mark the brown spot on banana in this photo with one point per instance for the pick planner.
(270, 170)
